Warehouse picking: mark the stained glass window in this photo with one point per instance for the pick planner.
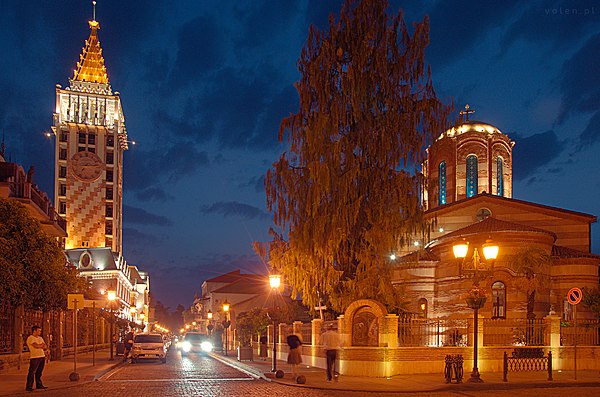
(442, 182)
(471, 175)
(500, 176)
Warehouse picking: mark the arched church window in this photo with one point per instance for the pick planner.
(423, 308)
(498, 300)
(442, 183)
(472, 175)
(500, 176)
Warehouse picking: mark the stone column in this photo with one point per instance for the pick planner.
(553, 338)
(18, 328)
(316, 327)
(389, 331)
(281, 332)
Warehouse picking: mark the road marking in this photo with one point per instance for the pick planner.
(178, 380)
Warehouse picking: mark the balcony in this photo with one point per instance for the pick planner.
(14, 185)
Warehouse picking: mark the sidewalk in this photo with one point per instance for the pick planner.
(56, 373)
(316, 379)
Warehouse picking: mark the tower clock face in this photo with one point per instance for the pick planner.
(86, 166)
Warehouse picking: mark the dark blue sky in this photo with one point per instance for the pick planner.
(204, 85)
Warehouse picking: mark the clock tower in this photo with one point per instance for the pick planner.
(90, 139)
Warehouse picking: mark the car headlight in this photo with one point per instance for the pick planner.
(186, 346)
(206, 346)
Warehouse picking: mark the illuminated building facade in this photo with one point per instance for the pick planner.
(468, 198)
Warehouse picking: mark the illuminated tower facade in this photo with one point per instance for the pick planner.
(90, 140)
(468, 159)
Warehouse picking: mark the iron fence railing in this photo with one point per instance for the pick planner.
(7, 328)
(433, 332)
(306, 333)
(587, 333)
(514, 331)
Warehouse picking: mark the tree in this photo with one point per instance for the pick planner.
(346, 193)
(33, 268)
(251, 323)
(532, 266)
(591, 299)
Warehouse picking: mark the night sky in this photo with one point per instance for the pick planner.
(205, 84)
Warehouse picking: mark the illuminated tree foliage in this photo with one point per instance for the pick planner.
(346, 194)
(32, 265)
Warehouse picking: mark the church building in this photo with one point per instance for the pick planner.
(543, 251)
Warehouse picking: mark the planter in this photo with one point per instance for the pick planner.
(244, 353)
(476, 303)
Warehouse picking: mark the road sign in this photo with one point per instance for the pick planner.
(71, 298)
(574, 296)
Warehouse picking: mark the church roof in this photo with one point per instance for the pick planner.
(470, 126)
(493, 225)
(564, 252)
(90, 67)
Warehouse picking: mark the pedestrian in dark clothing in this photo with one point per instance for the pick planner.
(294, 355)
(128, 344)
(331, 343)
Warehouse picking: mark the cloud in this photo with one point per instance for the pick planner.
(455, 30)
(591, 134)
(545, 23)
(234, 208)
(143, 217)
(147, 169)
(533, 152)
(580, 84)
(256, 182)
(134, 238)
(153, 194)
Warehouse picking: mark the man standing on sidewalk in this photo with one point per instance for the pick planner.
(37, 357)
(331, 343)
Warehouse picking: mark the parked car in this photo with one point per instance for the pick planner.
(195, 342)
(148, 345)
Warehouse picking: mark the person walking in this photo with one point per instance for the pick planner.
(294, 356)
(128, 344)
(37, 358)
(331, 343)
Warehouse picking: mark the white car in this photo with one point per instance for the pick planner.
(148, 345)
(195, 342)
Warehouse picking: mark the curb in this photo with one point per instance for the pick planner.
(247, 369)
(107, 370)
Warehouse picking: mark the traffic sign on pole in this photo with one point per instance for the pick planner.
(574, 296)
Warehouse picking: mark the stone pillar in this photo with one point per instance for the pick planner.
(18, 334)
(553, 332)
(389, 331)
(344, 331)
(60, 338)
(297, 328)
(316, 327)
(281, 332)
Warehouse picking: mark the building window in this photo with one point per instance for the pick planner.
(567, 310)
(109, 176)
(110, 141)
(92, 139)
(109, 211)
(472, 175)
(108, 228)
(62, 208)
(109, 193)
(82, 137)
(498, 300)
(500, 176)
(81, 149)
(442, 183)
(91, 150)
(110, 158)
(423, 308)
(62, 154)
(62, 190)
(62, 172)
(64, 136)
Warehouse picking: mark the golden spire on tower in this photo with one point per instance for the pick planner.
(90, 67)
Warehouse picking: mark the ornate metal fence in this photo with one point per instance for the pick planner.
(514, 331)
(31, 318)
(587, 333)
(306, 333)
(7, 328)
(432, 332)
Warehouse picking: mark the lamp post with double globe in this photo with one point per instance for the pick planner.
(477, 270)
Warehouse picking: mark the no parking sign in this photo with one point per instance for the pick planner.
(574, 296)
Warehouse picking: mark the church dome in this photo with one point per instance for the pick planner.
(469, 126)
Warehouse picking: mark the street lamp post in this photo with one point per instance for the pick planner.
(226, 323)
(274, 282)
(142, 317)
(476, 298)
(209, 327)
(111, 295)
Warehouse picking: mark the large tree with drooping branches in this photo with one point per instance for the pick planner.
(347, 192)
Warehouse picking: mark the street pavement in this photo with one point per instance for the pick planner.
(225, 376)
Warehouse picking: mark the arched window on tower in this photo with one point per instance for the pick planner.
(498, 300)
(500, 176)
(472, 175)
(442, 183)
